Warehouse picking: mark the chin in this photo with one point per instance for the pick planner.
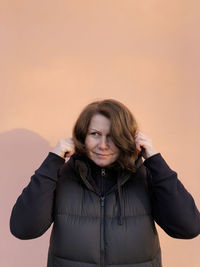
(102, 163)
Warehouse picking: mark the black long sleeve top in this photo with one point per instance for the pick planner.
(173, 207)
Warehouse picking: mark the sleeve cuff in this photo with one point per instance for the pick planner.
(51, 166)
(158, 167)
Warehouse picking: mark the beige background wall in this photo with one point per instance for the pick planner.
(57, 56)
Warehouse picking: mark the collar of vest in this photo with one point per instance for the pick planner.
(82, 165)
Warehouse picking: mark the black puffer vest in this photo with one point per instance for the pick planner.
(91, 230)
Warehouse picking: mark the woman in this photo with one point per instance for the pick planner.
(101, 196)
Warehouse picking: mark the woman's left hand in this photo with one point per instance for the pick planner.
(144, 145)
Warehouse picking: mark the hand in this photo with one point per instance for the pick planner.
(64, 148)
(144, 145)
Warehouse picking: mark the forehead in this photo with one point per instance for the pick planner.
(100, 123)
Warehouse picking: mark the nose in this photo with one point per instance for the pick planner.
(103, 144)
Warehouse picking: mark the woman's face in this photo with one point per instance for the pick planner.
(98, 142)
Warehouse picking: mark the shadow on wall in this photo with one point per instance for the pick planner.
(22, 152)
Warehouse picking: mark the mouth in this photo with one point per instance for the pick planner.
(102, 155)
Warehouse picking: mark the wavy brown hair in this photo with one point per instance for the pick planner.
(122, 130)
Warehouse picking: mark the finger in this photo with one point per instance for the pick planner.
(67, 154)
(138, 146)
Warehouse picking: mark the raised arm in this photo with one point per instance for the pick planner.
(173, 207)
(32, 213)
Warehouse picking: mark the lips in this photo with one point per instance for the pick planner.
(102, 155)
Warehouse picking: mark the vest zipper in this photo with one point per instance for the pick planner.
(102, 227)
(103, 173)
(102, 230)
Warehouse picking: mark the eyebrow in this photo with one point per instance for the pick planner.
(92, 129)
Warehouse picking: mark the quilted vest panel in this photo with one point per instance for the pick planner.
(76, 238)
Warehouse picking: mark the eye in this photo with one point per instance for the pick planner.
(94, 133)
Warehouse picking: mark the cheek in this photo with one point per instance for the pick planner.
(115, 148)
(89, 143)
(117, 153)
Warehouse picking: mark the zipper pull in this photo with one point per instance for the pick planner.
(103, 172)
(102, 201)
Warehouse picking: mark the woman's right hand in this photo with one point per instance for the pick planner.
(64, 148)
